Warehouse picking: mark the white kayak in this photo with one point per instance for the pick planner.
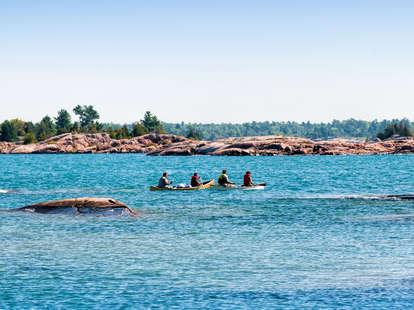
(231, 186)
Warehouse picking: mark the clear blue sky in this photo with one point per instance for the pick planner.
(208, 61)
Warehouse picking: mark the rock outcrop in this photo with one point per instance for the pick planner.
(277, 145)
(76, 206)
(163, 144)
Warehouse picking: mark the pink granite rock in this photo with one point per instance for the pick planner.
(163, 145)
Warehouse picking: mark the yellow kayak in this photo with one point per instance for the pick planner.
(203, 185)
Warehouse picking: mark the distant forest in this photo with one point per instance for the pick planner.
(16, 130)
(350, 128)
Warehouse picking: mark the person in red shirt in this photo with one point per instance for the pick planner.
(247, 179)
(195, 181)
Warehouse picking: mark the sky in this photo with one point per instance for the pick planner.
(208, 61)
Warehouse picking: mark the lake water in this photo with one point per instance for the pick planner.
(316, 237)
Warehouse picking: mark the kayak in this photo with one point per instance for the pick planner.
(231, 186)
(203, 185)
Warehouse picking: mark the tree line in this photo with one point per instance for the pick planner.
(28, 132)
(401, 128)
(350, 128)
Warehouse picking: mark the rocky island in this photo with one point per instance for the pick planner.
(166, 144)
(76, 206)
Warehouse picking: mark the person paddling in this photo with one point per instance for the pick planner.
(247, 179)
(163, 181)
(195, 180)
(223, 179)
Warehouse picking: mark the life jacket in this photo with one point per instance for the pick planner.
(195, 181)
(221, 179)
(247, 180)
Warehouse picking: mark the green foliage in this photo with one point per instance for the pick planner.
(87, 116)
(152, 123)
(45, 129)
(29, 127)
(159, 129)
(111, 132)
(193, 134)
(99, 126)
(19, 125)
(93, 128)
(402, 129)
(29, 138)
(8, 132)
(122, 133)
(119, 133)
(350, 128)
(63, 121)
(75, 127)
(139, 130)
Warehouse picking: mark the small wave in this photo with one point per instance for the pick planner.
(7, 191)
(79, 191)
(352, 197)
(383, 197)
(408, 216)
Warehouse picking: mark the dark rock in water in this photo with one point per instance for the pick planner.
(98, 206)
(401, 196)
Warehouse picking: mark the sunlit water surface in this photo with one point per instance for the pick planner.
(316, 237)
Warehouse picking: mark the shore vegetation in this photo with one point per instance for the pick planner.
(401, 129)
(16, 130)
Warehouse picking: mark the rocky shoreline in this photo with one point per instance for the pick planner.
(164, 145)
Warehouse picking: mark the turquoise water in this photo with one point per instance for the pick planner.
(316, 237)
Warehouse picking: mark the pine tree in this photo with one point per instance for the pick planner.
(63, 122)
(8, 132)
(138, 130)
(45, 129)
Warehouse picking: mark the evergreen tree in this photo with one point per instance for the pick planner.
(63, 121)
(87, 115)
(19, 125)
(8, 132)
(402, 129)
(152, 123)
(124, 132)
(30, 138)
(75, 127)
(111, 132)
(121, 133)
(193, 134)
(138, 130)
(29, 127)
(45, 129)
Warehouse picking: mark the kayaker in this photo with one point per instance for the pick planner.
(224, 179)
(247, 179)
(195, 181)
(163, 181)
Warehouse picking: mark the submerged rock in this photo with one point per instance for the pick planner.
(99, 206)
